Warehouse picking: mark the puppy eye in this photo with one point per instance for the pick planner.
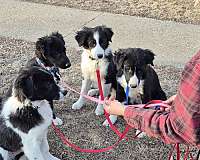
(103, 41)
(92, 43)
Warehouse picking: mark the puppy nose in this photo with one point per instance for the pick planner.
(68, 65)
(133, 86)
(100, 56)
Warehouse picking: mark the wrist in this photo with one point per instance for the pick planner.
(123, 111)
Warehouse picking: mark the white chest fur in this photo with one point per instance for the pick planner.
(88, 67)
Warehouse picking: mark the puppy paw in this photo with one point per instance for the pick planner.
(57, 121)
(141, 135)
(113, 119)
(99, 110)
(93, 92)
(77, 105)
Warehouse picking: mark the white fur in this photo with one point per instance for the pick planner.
(93, 92)
(122, 81)
(133, 81)
(35, 145)
(141, 87)
(4, 153)
(97, 50)
(113, 119)
(133, 92)
(57, 121)
(88, 68)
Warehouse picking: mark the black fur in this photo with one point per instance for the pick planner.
(1, 158)
(18, 156)
(32, 83)
(138, 60)
(85, 37)
(1, 101)
(9, 140)
(51, 51)
(26, 118)
(152, 88)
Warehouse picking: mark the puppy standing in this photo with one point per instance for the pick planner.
(51, 55)
(96, 51)
(134, 70)
(26, 115)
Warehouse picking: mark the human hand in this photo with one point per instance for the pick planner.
(114, 107)
(170, 100)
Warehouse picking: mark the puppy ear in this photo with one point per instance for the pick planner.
(109, 33)
(149, 57)
(58, 35)
(40, 47)
(118, 58)
(23, 87)
(81, 37)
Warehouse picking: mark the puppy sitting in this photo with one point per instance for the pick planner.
(51, 55)
(96, 52)
(134, 70)
(26, 115)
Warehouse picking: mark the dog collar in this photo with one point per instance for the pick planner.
(54, 71)
(92, 58)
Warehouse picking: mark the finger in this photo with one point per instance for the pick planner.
(168, 101)
(112, 98)
(107, 109)
(106, 101)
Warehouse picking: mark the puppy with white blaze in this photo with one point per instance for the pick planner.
(96, 52)
(134, 70)
(26, 115)
(50, 54)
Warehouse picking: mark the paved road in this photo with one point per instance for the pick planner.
(173, 43)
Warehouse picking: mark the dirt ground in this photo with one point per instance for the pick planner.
(173, 10)
(82, 126)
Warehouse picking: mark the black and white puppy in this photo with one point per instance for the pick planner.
(51, 55)
(26, 115)
(96, 52)
(134, 69)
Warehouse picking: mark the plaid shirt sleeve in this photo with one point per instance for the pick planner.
(182, 123)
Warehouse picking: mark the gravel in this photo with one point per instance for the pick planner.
(173, 10)
(83, 127)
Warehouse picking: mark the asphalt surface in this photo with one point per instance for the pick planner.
(172, 42)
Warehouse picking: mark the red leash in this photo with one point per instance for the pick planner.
(67, 142)
(106, 114)
(152, 104)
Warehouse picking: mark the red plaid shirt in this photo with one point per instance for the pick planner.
(182, 123)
